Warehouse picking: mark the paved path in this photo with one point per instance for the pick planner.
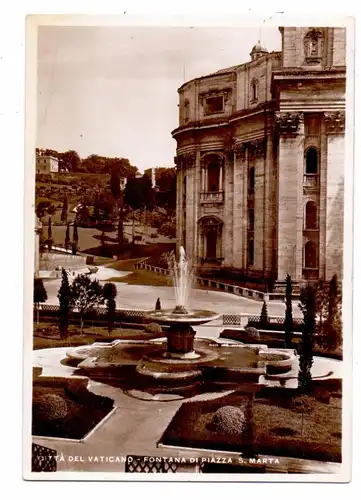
(136, 425)
(144, 297)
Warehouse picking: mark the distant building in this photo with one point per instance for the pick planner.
(260, 161)
(123, 183)
(46, 164)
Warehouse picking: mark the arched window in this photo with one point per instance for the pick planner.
(312, 161)
(311, 215)
(211, 238)
(251, 180)
(254, 90)
(250, 252)
(311, 255)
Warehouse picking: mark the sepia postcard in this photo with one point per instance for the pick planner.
(188, 276)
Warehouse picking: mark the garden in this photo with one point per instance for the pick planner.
(284, 423)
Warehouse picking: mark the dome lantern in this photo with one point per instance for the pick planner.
(257, 51)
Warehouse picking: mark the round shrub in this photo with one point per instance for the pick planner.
(252, 333)
(229, 420)
(153, 328)
(50, 407)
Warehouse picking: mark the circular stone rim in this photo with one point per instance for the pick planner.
(167, 316)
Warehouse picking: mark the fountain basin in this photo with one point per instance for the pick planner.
(192, 317)
(154, 367)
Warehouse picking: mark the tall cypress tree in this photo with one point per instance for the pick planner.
(65, 302)
(67, 237)
(50, 235)
(334, 323)
(64, 211)
(75, 243)
(308, 308)
(110, 293)
(288, 315)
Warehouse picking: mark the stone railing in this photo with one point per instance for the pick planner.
(218, 285)
(310, 181)
(212, 197)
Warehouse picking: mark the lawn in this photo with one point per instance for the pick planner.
(143, 277)
(46, 336)
(274, 426)
(82, 411)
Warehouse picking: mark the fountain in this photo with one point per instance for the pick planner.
(180, 334)
(183, 362)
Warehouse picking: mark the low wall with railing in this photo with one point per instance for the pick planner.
(218, 285)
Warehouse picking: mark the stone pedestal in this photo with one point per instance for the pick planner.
(180, 341)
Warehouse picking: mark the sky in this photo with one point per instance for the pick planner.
(112, 90)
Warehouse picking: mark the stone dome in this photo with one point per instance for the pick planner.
(258, 50)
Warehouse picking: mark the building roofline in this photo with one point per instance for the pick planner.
(230, 69)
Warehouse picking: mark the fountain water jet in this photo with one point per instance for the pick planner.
(177, 367)
(180, 335)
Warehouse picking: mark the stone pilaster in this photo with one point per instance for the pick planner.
(238, 206)
(228, 232)
(269, 208)
(290, 195)
(335, 126)
(257, 151)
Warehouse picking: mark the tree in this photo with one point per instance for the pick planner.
(40, 295)
(158, 306)
(50, 235)
(65, 304)
(69, 161)
(308, 308)
(302, 404)
(75, 238)
(333, 330)
(64, 211)
(288, 315)
(110, 293)
(264, 320)
(67, 237)
(86, 294)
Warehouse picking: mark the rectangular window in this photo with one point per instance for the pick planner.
(312, 125)
(213, 105)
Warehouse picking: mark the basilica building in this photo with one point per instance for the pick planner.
(260, 162)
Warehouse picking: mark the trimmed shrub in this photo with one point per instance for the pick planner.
(153, 328)
(264, 320)
(252, 333)
(50, 407)
(229, 420)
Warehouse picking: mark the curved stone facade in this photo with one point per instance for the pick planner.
(255, 144)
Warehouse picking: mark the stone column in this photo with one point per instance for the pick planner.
(189, 162)
(290, 195)
(334, 216)
(220, 187)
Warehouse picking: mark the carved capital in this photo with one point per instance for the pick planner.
(189, 159)
(288, 123)
(335, 122)
(257, 148)
(240, 151)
